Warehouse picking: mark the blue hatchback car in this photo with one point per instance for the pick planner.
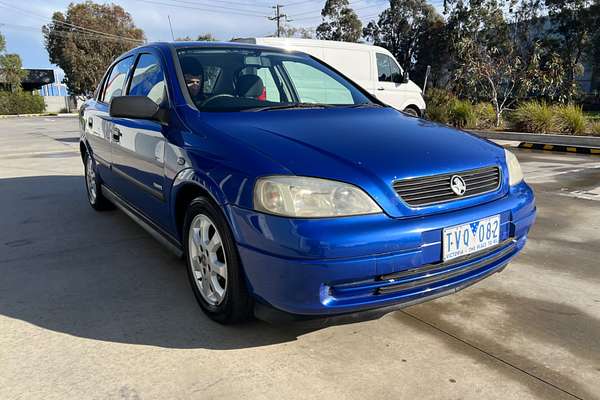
(290, 191)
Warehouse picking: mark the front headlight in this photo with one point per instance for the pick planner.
(515, 174)
(303, 197)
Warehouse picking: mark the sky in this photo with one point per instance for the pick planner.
(20, 21)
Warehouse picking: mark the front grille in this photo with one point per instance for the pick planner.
(436, 189)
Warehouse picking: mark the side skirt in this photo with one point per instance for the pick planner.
(155, 231)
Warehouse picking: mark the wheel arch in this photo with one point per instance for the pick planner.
(84, 149)
(415, 108)
(187, 186)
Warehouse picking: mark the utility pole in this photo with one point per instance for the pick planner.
(278, 16)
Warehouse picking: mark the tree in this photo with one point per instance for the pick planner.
(595, 60)
(206, 37)
(496, 59)
(84, 54)
(11, 68)
(291, 31)
(574, 23)
(433, 50)
(403, 29)
(340, 22)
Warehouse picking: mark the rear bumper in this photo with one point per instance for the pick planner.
(328, 267)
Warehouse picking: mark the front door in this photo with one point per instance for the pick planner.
(389, 87)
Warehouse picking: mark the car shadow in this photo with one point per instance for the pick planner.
(69, 269)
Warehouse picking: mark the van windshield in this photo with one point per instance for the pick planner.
(259, 80)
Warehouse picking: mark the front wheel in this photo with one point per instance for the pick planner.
(213, 264)
(411, 111)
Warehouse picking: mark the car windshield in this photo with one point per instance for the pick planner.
(262, 80)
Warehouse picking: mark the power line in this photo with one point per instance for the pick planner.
(61, 33)
(209, 8)
(304, 18)
(69, 25)
(299, 3)
(235, 3)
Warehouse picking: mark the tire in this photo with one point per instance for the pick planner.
(213, 264)
(412, 112)
(92, 186)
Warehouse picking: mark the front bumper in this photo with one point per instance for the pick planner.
(336, 266)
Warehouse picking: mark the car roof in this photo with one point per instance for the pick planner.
(166, 47)
(330, 44)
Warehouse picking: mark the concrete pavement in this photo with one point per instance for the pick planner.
(92, 307)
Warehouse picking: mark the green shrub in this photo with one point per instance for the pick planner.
(570, 119)
(485, 115)
(594, 128)
(21, 103)
(438, 102)
(462, 114)
(534, 117)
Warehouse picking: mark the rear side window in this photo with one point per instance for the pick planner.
(148, 79)
(387, 69)
(115, 84)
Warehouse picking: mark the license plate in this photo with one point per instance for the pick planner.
(465, 239)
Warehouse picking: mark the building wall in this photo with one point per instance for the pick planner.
(60, 104)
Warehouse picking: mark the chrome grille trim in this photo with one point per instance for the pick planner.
(417, 192)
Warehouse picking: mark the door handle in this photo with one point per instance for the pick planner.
(116, 134)
(380, 88)
(90, 122)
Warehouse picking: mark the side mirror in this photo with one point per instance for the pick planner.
(405, 77)
(136, 107)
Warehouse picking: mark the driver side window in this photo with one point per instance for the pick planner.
(387, 69)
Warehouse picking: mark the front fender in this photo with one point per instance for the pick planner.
(189, 176)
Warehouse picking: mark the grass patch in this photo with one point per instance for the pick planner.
(570, 119)
(534, 117)
(462, 114)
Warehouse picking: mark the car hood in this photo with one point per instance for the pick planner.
(367, 147)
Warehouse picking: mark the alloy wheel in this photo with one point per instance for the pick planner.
(90, 177)
(207, 259)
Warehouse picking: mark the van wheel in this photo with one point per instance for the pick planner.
(213, 264)
(92, 186)
(412, 112)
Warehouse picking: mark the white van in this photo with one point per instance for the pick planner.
(372, 67)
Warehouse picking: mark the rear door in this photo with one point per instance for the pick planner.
(98, 125)
(138, 146)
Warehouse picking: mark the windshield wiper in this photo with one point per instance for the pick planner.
(289, 106)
